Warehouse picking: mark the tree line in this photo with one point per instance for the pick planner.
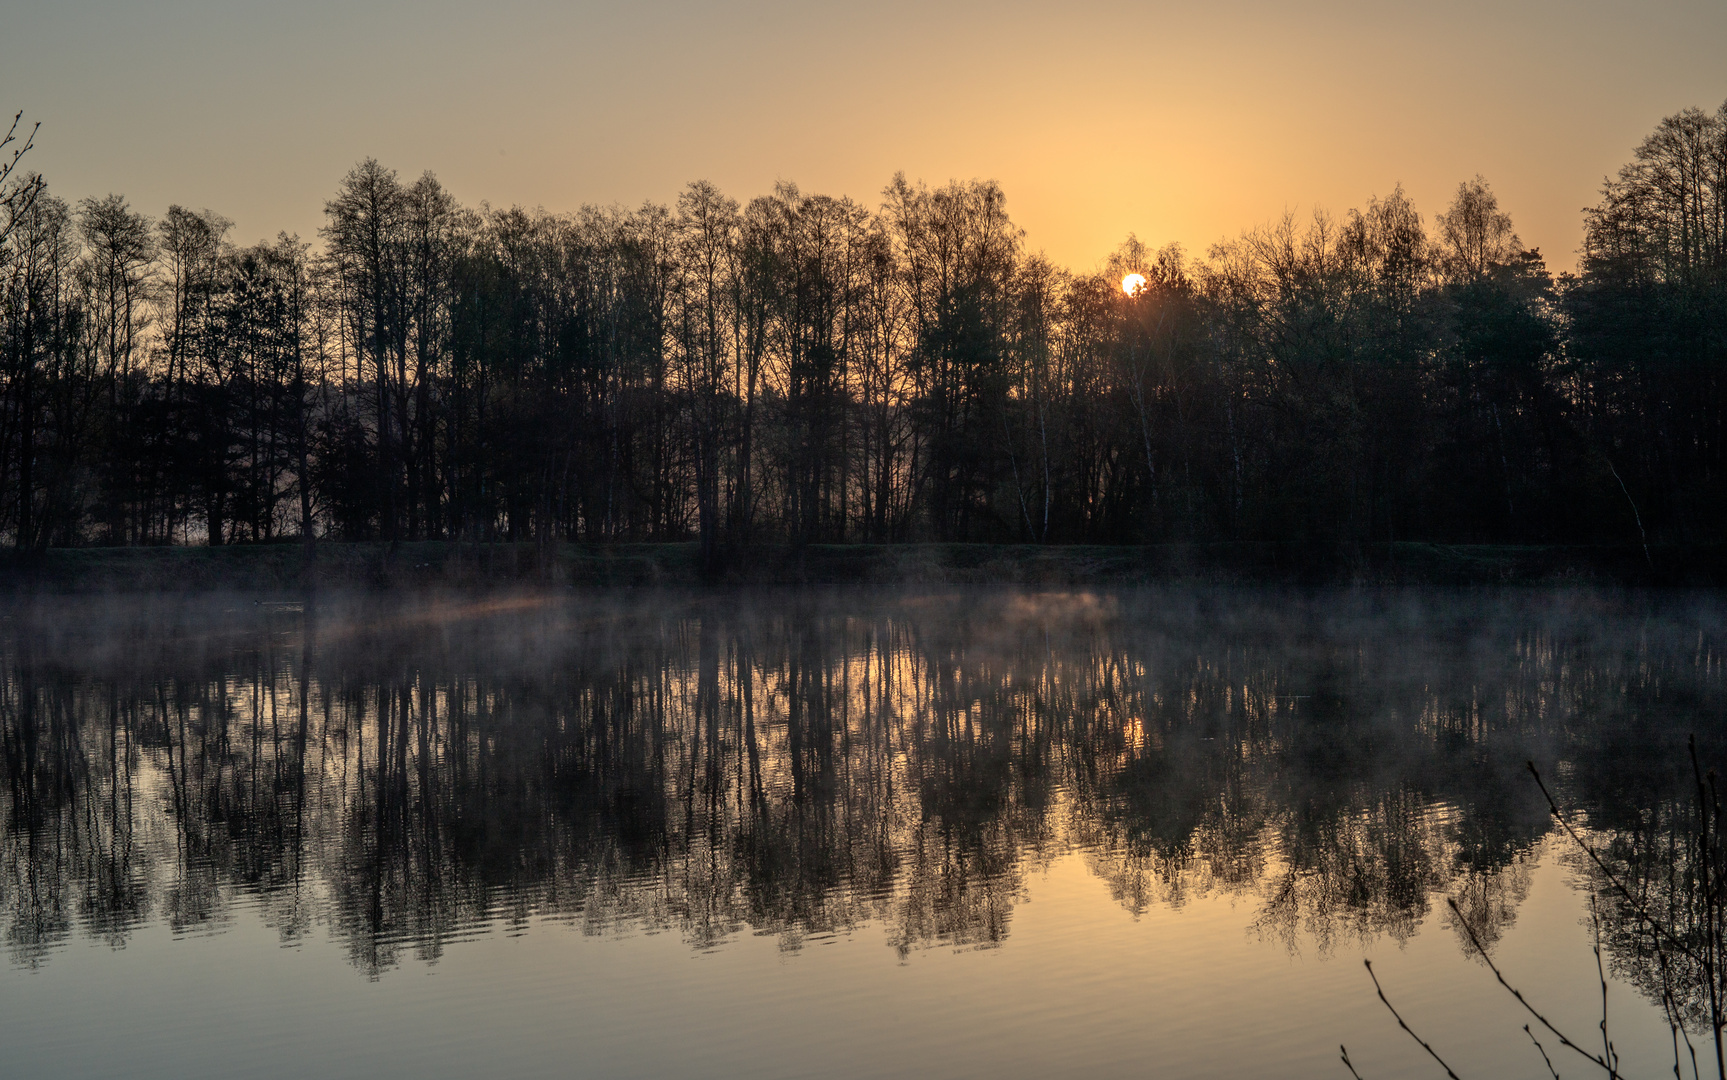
(802, 368)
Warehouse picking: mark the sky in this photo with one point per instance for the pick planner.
(1179, 123)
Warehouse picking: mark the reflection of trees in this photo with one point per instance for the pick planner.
(404, 778)
(1670, 860)
(70, 849)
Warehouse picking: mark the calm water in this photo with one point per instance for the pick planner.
(973, 833)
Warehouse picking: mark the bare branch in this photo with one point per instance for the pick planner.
(1550, 1069)
(1497, 974)
(1431, 1052)
(1350, 1065)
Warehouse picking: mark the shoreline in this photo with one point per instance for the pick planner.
(380, 565)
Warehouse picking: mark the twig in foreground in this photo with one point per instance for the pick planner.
(1497, 974)
(1350, 1065)
(1550, 1069)
(1608, 1052)
(1670, 1006)
(1431, 1052)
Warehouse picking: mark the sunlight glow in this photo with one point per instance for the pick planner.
(1132, 284)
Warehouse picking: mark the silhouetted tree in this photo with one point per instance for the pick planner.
(802, 369)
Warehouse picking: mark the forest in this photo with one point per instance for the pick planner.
(803, 368)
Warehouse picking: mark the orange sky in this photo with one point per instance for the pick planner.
(1176, 122)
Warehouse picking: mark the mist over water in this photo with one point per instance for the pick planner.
(1123, 804)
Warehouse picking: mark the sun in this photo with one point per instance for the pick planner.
(1132, 284)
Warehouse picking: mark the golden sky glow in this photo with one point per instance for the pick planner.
(1241, 110)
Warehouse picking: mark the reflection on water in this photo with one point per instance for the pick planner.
(400, 774)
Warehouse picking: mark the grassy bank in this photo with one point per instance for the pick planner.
(383, 565)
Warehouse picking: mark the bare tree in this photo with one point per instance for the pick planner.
(1474, 234)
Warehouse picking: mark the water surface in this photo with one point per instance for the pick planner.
(844, 833)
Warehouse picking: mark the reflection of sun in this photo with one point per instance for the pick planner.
(1132, 284)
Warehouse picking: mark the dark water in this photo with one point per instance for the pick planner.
(974, 833)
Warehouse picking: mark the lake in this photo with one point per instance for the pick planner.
(978, 832)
